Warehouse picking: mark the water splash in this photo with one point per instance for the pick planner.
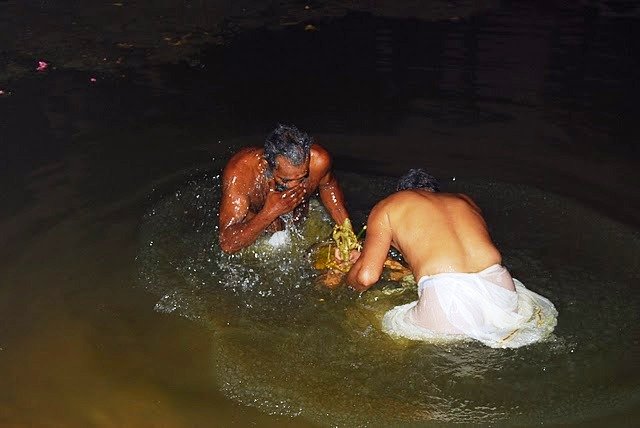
(288, 347)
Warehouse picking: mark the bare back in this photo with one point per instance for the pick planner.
(439, 232)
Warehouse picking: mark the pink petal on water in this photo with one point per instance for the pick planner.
(42, 66)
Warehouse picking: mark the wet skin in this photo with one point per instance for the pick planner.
(435, 232)
(254, 197)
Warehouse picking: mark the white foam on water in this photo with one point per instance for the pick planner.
(280, 238)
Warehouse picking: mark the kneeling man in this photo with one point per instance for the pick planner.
(262, 186)
(463, 289)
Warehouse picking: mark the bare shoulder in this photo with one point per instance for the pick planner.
(319, 151)
(242, 159)
(385, 206)
(320, 158)
(468, 200)
(238, 169)
(405, 197)
(244, 155)
(412, 198)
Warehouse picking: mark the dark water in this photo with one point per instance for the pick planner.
(528, 107)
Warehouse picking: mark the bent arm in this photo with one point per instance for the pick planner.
(332, 198)
(237, 226)
(367, 270)
(238, 235)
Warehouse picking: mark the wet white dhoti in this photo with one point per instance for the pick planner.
(482, 306)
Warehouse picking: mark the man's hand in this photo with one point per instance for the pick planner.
(279, 203)
(354, 255)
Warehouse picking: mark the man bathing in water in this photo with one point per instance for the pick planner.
(435, 232)
(260, 185)
(463, 289)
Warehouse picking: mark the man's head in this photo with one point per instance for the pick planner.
(418, 178)
(286, 151)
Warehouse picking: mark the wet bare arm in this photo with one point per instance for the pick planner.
(367, 269)
(236, 236)
(332, 198)
(238, 227)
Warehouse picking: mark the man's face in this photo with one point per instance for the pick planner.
(286, 175)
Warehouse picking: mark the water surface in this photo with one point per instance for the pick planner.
(288, 346)
(117, 308)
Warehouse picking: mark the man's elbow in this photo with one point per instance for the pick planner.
(367, 278)
(226, 248)
(227, 245)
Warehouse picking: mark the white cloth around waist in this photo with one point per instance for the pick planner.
(488, 306)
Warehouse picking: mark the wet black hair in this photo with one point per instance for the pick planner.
(287, 141)
(418, 178)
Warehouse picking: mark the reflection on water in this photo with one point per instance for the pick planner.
(289, 347)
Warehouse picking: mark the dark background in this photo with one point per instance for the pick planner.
(542, 93)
